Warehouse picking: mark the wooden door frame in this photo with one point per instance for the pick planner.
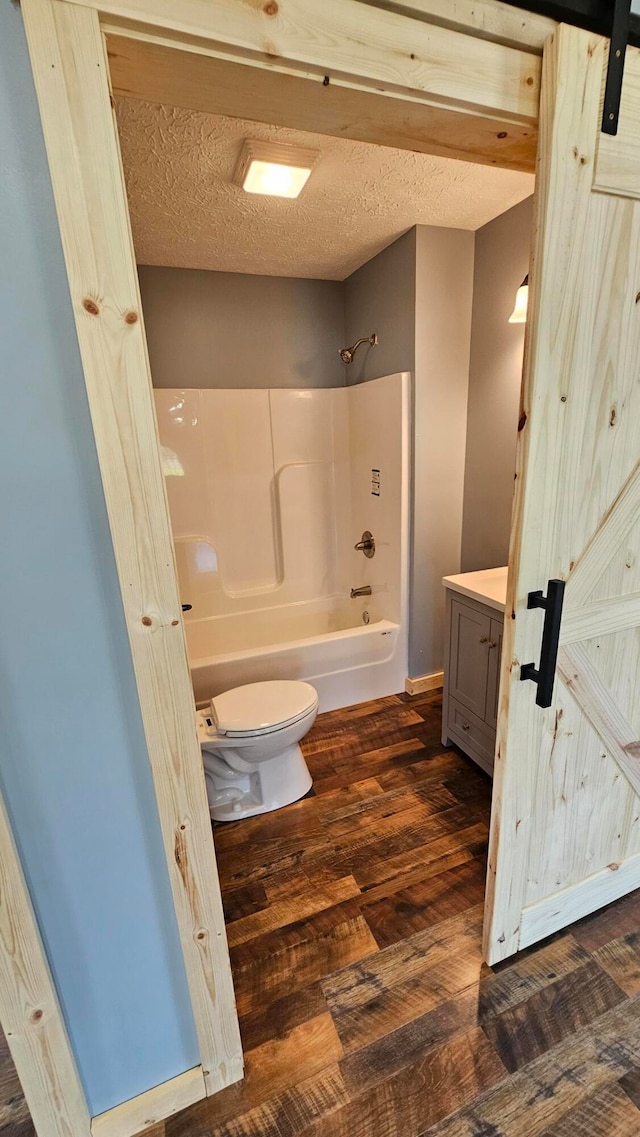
(460, 79)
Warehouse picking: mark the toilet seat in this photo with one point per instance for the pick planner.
(261, 708)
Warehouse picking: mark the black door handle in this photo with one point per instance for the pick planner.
(544, 675)
(187, 607)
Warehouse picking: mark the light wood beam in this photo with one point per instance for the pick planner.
(70, 70)
(488, 19)
(29, 1009)
(143, 69)
(367, 46)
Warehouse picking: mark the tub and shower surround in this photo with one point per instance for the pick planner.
(269, 490)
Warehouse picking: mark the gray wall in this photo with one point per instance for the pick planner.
(444, 290)
(73, 763)
(380, 297)
(501, 262)
(226, 329)
(416, 294)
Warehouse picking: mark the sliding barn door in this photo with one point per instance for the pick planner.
(565, 830)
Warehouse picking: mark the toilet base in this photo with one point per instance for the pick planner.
(270, 785)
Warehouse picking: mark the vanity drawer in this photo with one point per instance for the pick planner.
(471, 734)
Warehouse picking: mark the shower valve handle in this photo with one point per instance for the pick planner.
(366, 544)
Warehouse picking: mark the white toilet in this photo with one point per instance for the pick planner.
(249, 739)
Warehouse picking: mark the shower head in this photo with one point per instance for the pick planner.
(347, 353)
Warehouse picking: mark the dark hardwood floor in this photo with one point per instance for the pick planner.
(354, 922)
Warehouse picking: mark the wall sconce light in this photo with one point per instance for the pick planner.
(519, 314)
(275, 170)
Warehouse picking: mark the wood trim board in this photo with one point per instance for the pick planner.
(424, 683)
(30, 1012)
(155, 1105)
(199, 80)
(365, 45)
(571, 904)
(500, 22)
(70, 70)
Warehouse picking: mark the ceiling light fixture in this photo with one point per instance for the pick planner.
(275, 170)
(519, 314)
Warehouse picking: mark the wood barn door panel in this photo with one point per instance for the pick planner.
(566, 813)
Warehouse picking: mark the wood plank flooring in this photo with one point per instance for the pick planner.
(354, 922)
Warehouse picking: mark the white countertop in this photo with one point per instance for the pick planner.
(488, 587)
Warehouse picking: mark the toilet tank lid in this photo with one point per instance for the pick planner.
(263, 706)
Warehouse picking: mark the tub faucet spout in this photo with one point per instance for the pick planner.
(364, 590)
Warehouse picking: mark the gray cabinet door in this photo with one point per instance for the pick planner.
(493, 679)
(469, 657)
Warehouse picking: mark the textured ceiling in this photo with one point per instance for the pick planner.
(187, 213)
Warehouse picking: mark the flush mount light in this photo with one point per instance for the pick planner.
(269, 168)
(519, 314)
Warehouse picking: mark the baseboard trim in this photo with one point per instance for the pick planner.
(570, 904)
(154, 1105)
(424, 683)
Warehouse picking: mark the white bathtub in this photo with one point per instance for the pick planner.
(269, 492)
(318, 642)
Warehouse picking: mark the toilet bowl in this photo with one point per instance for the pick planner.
(249, 739)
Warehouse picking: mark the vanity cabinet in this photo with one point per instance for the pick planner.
(473, 647)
